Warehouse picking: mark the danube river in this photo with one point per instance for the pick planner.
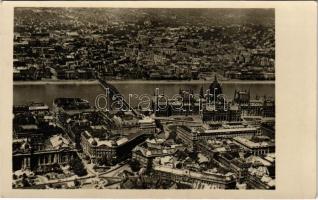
(42, 92)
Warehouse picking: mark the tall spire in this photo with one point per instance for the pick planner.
(215, 87)
(249, 94)
(201, 92)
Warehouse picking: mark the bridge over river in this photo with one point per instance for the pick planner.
(113, 92)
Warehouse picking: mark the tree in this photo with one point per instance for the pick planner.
(15, 177)
(134, 165)
(103, 161)
(178, 165)
(77, 183)
(56, 168)
(78, 167)
(86, 157)
(25, 182)
(181, 154)
(158, 124)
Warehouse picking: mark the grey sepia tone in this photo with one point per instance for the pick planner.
(118, 98)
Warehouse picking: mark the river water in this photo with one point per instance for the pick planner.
(47, 92)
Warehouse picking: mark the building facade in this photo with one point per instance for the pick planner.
(211, 180)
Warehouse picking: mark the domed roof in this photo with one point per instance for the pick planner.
(215, 87)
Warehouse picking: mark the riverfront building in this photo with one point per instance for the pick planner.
(264, 107)
(32, 107)
(223, 112)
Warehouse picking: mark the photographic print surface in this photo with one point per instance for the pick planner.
(160, 98)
